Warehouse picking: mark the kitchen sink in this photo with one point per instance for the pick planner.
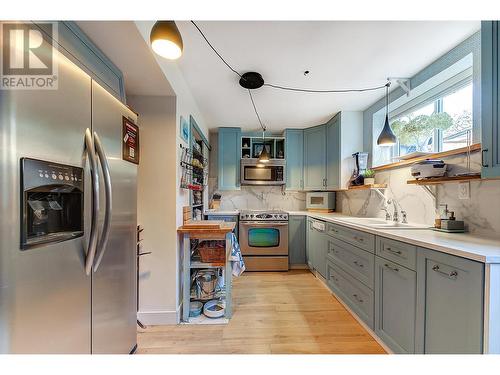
(373, 222)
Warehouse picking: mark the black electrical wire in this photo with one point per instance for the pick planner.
(285, 87)
(213, 49)
(256, 112)
(325, 91)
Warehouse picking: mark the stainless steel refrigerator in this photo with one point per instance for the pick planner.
(67, 220)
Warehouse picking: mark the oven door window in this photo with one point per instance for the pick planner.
(258, 174)
(263, 237)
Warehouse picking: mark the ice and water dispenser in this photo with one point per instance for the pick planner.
(52, 202)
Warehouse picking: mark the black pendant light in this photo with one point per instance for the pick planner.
(166, 40)
(264, 155)
(387, 136)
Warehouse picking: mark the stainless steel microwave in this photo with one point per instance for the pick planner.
(255, 173)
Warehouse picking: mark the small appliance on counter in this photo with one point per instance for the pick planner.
(361, 164)
(320, 201)
(430, 168)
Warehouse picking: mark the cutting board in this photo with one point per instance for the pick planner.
(204, 224)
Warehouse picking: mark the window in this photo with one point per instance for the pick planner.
(441, 125)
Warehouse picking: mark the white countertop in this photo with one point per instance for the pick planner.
(221, 212)
(476, 247)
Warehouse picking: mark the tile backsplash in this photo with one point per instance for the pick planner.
(481, 212)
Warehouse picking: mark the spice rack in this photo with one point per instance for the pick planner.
(194, 170)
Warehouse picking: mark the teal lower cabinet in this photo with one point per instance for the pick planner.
(352, 292)
(317, 245)
(449, 304)
(297, 240)
(309, 243)
(395, 302)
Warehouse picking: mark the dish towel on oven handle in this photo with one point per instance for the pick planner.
(236, 257)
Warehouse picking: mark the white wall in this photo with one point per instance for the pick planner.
(155, 201)
(185, 106)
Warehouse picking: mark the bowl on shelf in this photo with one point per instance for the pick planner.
(195, 308)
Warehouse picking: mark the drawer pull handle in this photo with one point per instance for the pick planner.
(398, 252)
(452, 274)
(357, 298)
(392, 268)
(358, 264)
(358, 239)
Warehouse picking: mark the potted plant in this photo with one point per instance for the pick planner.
(369, 176)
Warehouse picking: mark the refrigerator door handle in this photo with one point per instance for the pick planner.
(101, 246)
(92, 246)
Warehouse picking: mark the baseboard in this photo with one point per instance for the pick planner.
(298, 266)
(157, 318)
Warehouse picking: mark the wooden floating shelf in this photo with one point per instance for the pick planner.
(368, 187)
(442, 180)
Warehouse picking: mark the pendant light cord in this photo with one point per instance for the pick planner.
(286, 87)
(324, 91)
(256, 112)
(387, 85)
(213, 49)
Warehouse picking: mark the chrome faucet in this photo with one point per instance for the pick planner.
(404, 220)
(387, 214)
(395, 215)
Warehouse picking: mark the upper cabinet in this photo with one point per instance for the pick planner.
(328, 150)
(490, 85)
(229, 149)
(315, 158)
(294, 148)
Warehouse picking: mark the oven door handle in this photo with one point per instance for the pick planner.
(101, 246)
(92, 246)
(264, 223)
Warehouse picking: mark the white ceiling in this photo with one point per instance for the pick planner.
(339, 54)
(122, 43)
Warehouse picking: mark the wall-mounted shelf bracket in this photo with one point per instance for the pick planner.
(404, 83)
(432, 191)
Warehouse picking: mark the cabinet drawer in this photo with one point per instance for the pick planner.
(402, 253)
(355, 294)
(366, 241)
(358, 263)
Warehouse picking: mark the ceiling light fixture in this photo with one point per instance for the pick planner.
(387, 136)
(166, 40)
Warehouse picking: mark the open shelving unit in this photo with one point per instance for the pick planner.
(250, 146)
(443, 180)
(190, 238)
(368, 187)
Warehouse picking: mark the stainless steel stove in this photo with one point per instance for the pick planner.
(263, 215)
(264, 240)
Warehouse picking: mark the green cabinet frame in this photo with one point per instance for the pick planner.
(229, 148)
(450, 300)
(490, 87)
(297, 239)
(294, 151)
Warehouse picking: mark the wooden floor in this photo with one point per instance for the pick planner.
(274, 312)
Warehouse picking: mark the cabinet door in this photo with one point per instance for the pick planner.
(319, 249)
(294, 151)
(449, 304)
(490, 86)
(395, 303)
(229, 148)
(297, 239)
(333, 153)
(315, 158)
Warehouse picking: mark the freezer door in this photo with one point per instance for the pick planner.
(45, 300)
(114, 284)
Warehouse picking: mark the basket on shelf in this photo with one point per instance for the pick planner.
(212, 251)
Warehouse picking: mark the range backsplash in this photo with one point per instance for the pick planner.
(259, 198)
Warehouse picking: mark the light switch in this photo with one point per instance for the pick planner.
(464, 190)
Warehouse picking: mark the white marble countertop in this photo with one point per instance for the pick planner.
(476, 247)
(221, 212)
